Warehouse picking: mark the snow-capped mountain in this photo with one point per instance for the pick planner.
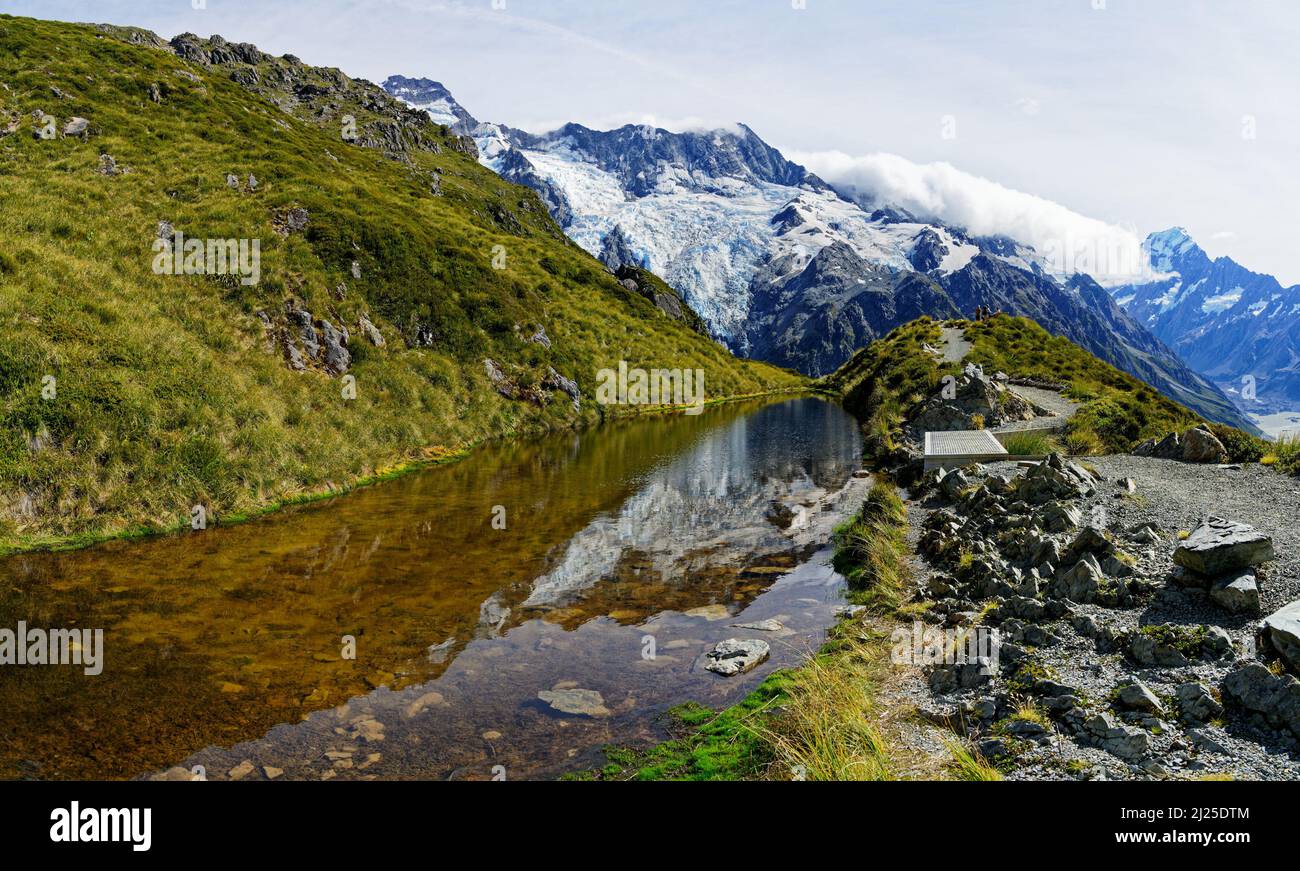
(781, 265)
(1239, 328)
(433, 98)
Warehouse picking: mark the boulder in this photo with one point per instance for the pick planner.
(337, 356)
(1237, 592)
(1197, 703)
(1274, 699)
(370, 331)
(1126, 742)
(735, 656)
(1202, 446)
(1136, 696)
(941, 418)
(1218, 546)
(1281, 631)
(76, 127)
(1081, 582)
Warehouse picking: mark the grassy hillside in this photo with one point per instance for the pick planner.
(886, 382)
(128, 396)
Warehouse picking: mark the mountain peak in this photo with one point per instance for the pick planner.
(1170, 250)
(434, 98)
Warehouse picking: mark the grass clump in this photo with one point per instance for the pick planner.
(1029, 444)
(967, 764)
(871, 549)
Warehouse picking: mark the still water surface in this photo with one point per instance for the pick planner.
(628, 551)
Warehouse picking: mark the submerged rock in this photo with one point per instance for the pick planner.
(580, 702)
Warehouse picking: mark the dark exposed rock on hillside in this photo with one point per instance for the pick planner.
(814, 319)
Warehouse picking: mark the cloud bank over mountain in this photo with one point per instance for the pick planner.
(940, 192)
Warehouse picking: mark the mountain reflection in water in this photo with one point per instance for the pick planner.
(224, 647)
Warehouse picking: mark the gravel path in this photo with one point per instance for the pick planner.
(1061, 409)
(955, 346)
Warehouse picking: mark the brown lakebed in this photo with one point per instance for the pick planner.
(628, 551)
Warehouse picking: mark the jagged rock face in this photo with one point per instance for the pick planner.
(616, 252)
(928, 252)
(433, 98)
(513, 166)
(642, 156)
(318, 94)
(815, 320)
(1224, 320)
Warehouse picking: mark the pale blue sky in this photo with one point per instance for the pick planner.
(1132, 114)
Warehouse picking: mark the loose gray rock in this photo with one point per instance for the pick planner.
(1282, 633)
(76, 127)
(736, 656)
(1137, 696)
(1197, 703)
(370, 331)
(1238, 592)
(1275, 699)
(1218, 546)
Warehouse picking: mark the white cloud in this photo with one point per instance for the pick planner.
(939, 191)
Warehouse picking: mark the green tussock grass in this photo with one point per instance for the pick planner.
(165, 394)
(1028, 444)
(967, 764)
(1118, 410)
(1283, 454)
(887, 382)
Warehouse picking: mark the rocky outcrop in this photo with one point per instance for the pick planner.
(973, 398)
(1197, 445)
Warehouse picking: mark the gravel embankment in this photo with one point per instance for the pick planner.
(1174, 496)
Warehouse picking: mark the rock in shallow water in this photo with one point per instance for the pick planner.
(584, 703)
(735, 656)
